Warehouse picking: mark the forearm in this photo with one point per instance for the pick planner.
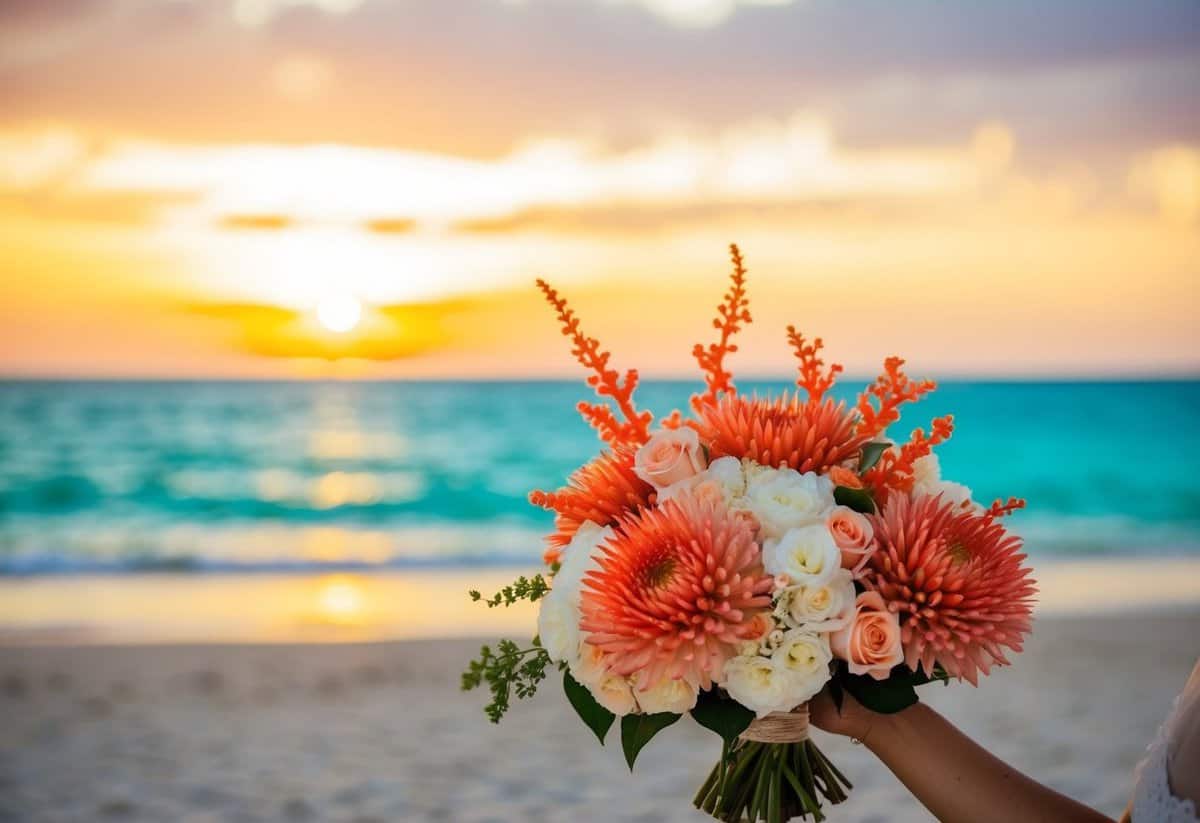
(958, 780)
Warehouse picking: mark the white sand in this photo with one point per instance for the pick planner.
(381, 732)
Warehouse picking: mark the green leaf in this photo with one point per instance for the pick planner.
(638, 729)
(595, 717)
(857, 499)
(837, 693)
(870, 455)
(884, 696)
(722, 715)
(919, 678)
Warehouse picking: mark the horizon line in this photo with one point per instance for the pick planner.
(998, 377)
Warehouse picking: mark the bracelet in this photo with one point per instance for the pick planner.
(861, 741)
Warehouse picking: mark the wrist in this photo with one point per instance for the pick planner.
(882, 728)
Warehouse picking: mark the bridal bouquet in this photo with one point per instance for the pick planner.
(733, 563)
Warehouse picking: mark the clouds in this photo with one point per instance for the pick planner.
(935, 176)
(762, 163)
(479, 77)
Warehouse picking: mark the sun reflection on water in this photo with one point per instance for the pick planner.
(341, 600)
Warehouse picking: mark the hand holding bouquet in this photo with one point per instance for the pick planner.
(732, 564)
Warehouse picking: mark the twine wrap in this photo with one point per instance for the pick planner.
(779, 727)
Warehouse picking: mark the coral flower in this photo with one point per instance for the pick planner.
(678, 588)
(779, 432)
(601, 492)
(957, 581)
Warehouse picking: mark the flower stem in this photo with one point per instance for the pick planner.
(770, 783)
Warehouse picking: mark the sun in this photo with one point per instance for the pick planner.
(341, 599)
(339, 313)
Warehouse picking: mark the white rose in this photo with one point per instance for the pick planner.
(580, 556)
(613, 692)
(558, 614)
(756, 472)
(805, 656)
(588, 666)
(759, 684)
(824, 608)
(721, 481)
(927, 471)
(807, 555)
(783, 499)
(677, 696)
(927, 480)
(727, 473)
(558, 626)
(956, 493)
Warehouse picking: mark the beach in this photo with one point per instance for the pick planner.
(380, 732)
(248, 601)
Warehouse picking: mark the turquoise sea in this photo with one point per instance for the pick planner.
(221, 476)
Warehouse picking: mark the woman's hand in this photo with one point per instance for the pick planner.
(854, 720)
(956, 779)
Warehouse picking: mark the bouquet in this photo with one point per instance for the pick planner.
(731, 564)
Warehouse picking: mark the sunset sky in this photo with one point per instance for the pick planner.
(281, 188)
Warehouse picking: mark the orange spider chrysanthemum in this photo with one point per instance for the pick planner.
(601, 491)
(782, 431)
(957, 581)
(678, 588)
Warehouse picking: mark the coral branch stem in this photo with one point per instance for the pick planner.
(606, 382)
(731, 314)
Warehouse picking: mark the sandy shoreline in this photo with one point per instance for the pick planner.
(375, 732)
(357, 606)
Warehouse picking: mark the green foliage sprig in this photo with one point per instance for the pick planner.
(532, 589)
(507, 670)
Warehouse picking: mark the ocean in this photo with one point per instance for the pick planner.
(123, 477)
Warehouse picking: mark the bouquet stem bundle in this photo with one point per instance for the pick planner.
(771, 782)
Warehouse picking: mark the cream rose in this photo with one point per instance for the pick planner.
(783, 499)
(677, 696)
(807, 555)
(759, 684)
(558, 626)
(854, 535)
(613, 692)
(823, 608)
(805, 655)
(580, 556)
(558, 613)
(669, 456)
(871, 644)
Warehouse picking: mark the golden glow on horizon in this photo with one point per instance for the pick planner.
(340, 261)
(268, 608)
(339, 313)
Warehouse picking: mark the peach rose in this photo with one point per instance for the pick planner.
(871, 643)
(670, 455)
(854, 535)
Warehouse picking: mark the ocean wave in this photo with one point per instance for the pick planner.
(197, 546)
(210, 477)
(201, 547)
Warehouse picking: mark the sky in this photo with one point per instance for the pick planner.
(368, 188)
